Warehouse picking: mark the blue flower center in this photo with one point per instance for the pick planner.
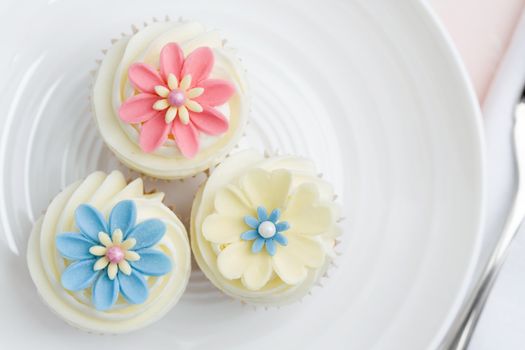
(267, 229)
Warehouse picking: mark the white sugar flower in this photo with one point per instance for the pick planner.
(264, 211)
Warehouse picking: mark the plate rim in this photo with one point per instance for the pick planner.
(463, 81)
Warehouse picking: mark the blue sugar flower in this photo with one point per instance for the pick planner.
(266, 230)
(112, 257)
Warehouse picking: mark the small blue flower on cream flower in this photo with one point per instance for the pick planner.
(266, 230)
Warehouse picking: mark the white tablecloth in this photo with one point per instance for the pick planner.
(502, 325)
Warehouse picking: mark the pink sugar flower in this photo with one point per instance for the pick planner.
(180, 99)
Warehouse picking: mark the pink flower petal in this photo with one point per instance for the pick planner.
(198, 64)
(171, 60)
(144, 77)
(216, 92)
(186, 138)
(210, 121)
(138, 108)
(154, 133)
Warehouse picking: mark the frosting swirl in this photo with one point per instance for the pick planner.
(296, 225)
(113, 87)
(46, 265)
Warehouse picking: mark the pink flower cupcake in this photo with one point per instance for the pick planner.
(170, 100)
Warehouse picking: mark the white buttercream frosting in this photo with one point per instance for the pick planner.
(103, 191)
(308, 207)
(112, 88)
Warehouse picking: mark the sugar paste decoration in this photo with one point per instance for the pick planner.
(177, 99)
(266, 230)
(290, 232)
(112, 257)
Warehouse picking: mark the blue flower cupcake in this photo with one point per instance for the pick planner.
(108, 258)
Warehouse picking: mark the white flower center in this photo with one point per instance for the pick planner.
(267, 229)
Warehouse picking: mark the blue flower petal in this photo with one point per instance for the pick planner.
(258, 245)
(274, 216)
(251, 221)
(74, 246)
(105, 292)
(90, 221)
(262, 214)
(147, 233)
(249, 235)
(152, 262)
(281, 239)
(123, 216)
(270, 247)
(282, 226)
(134, 287)
(79, 275)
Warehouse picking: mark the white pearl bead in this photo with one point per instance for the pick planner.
(267, 229)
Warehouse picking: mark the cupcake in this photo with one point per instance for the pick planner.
(108, 258)
(170, 100)
(263, 230)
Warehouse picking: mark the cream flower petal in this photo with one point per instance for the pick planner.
(281, 180)
(256, 185)
(162, 91)
(288, 267)
(173, 83)
(112, 271)
(98, 250)
(231, 201)
(195, 92)
(232, 261)
(307, 250)
(304, 213)
(117, 236)
(185, 82)
(258, 272)
(161, 105)
(171, 113)
(193, 106)
(104, 239)
(220, 229)
(237, 261)
(128, 243)
(101, 263)
(131, 255)
(125, 267)
(267, 189)
(183, 115)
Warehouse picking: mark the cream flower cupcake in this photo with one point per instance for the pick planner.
(263, 230)
(170, 100)
(108, 258)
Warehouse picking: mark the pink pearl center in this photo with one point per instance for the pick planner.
(115, 254)
(176, 98)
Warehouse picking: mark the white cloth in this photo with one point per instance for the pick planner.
(502, 325)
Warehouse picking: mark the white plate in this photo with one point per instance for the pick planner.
(371, 90)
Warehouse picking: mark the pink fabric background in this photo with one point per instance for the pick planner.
(481, 30)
